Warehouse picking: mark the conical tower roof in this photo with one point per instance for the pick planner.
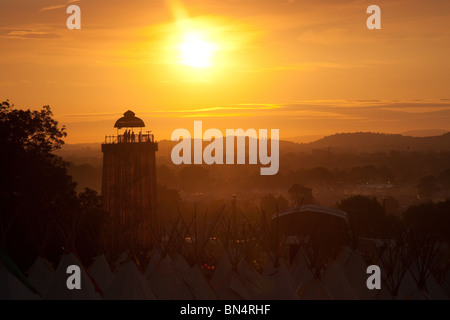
(129, 120)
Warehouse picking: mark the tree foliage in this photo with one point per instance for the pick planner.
(365, 216)
(300, 195)
(36, 193)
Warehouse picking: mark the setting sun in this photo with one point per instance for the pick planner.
(195, 51)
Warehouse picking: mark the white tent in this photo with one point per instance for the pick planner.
(238, 286)
(100, 271)
(180, 264)
(277, 283)
(314, 289)
(446, 284)
(223, 268)
(355, 270)
(129, 284)
(250, 277)
(247, 270)
(409, 290)
(231, 287)
(299, 270)
(198, 285)
(227, 283)
(417, 295)
(155, 257)
(166, 282)
(193, 283)
(58, 289)
(344, 255)
(434, 290)
(337, 283)
(12, 288)
(124, 257)
(40, 275)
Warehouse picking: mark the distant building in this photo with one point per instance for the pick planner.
(129, 186)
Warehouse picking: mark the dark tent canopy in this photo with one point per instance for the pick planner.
(319, 229)
(311, 218)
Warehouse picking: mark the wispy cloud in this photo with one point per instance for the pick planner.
(419, 110)
(219, 115)
(306, 109)
(30, 34)
(58, 6)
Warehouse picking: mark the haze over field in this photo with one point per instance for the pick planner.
(306, 68)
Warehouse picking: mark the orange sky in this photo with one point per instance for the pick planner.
(304, 67)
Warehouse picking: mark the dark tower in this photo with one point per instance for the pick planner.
(129, 186)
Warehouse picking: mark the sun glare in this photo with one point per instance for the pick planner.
(195, 51)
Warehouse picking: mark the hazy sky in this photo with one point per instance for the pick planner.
(304, 67)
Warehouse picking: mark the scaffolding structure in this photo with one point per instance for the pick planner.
(129, 187)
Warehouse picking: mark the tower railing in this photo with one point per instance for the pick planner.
(137, 138)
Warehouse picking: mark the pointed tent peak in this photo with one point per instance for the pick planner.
(314, 289)
(129, 284)
(41, 274)
(14, 285)
(58, 290)
(129, 120)
(101, 272)
(344, 255)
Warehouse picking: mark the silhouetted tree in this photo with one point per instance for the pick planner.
(168, 202)
(365, 216)
(426, 255)
(427, 186)
(396, 255)
(391, 205)
(271, 204)
(37, 196)
(444, 179)
(33, 181)
(429, 218)
(300, 195)
(88, 240)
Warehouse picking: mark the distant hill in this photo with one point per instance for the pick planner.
(86, 159)
(305, 139)
(165, 147)
(368, 141)
(345, 142)
(424, 133)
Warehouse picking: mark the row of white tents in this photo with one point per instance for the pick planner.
(171, 278)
